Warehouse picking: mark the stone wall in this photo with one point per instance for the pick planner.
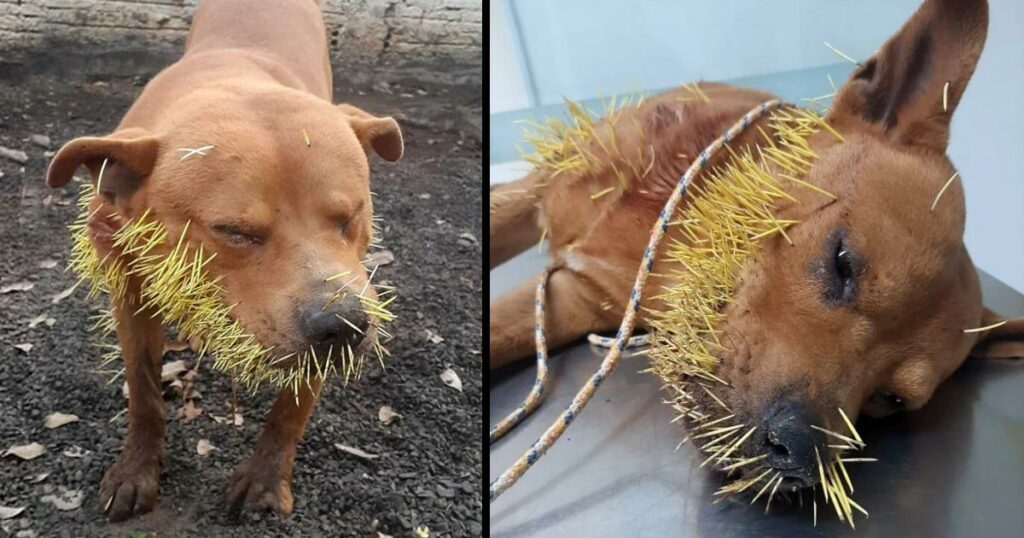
(361, 31)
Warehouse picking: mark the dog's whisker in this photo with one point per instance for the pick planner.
(814, 504)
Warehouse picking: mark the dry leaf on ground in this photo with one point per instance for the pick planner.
(63, 295)
(379, 258)
(41, 318)
(36, 478)
(56, 420)
(387, 415)
(450, 378)
(175, 345)
(239, 420)
(171, 370)
(9, 512)
(17, 286)
(204, 447)
(356, 452)
(75, 451)
(190, 412)
(30, 451)
(67, 499)
(434, 337)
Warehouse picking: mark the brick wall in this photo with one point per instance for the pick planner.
(368, 31)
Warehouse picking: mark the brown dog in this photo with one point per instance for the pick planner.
(866, 310)
(239, 139)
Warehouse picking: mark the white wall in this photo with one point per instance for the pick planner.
(508, 82)
(584, 48)
(988, 148)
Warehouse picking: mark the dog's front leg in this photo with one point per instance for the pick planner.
(264, 479)
(130, 486)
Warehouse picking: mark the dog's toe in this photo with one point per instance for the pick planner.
(130, 487)
(259, 487)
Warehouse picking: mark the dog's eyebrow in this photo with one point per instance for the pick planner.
(237, 226)
(347, 212)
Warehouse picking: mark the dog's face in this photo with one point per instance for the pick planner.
(278, 187)
(866, 309)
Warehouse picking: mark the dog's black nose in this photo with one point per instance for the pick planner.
(789, 442)
(337, 322)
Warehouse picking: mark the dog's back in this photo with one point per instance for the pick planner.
(234, 47)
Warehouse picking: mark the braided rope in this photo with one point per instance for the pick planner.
(540, 384)
(536, 394)
(608, 342)
(611, 360)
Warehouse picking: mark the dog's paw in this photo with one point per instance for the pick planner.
(259, 485)
(130, 486)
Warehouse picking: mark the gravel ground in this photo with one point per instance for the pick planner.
(429, 469)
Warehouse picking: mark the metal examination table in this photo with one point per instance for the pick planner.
(954, 468)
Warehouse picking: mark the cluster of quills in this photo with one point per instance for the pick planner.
(175, 286)
(719, 230)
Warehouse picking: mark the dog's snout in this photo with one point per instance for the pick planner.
(789, 441)
(337, 321)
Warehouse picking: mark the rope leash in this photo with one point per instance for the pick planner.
(622, 337)
(608, 342)
(536, 395)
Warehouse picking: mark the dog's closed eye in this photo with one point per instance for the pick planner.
(839, 270)
(239, 235)
(345, 218)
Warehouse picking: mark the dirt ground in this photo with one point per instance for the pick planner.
(429, 468)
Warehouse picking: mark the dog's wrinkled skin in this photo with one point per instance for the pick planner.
(873, 333)
(280, 213)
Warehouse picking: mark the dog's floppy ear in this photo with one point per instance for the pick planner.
(1003, 342)
(130, 155)
(902, 90)
(381, 134)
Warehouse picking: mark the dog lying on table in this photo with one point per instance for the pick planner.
(233, 201)
(860, 297)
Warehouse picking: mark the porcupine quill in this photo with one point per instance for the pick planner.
(727, 217)
(175, 284)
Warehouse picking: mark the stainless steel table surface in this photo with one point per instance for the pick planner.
(953, 468)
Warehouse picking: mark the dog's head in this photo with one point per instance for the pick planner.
(872, 304)
(276, 185)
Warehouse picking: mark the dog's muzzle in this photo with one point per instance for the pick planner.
(339, 323)
(789, 443)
